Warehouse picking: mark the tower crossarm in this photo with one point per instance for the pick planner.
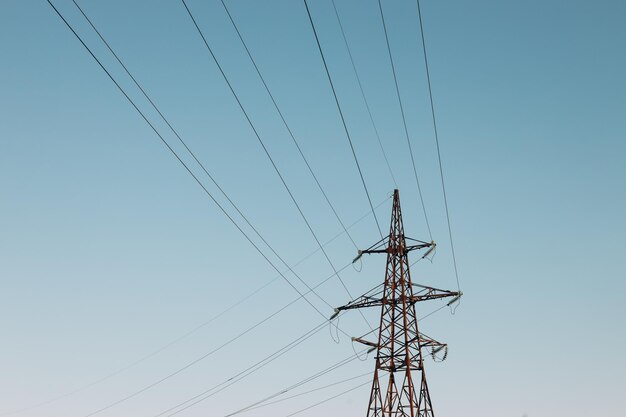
(397, 250)
(361, 302)
(423, 294)
(424, 341)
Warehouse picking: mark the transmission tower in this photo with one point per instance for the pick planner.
(399, 387)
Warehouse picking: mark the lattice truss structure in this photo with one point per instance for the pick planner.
(399, 387)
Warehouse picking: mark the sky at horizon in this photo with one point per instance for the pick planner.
(109, 250)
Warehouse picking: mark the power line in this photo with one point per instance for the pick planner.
(183, 163)
(210, 392)
(406, 130)
(264, 402)
(207, 192)
(343, 381)
(204, 395)
(185, 335)
(343, 120)
(213, 351)
(258, 136)
(367, 106)
(298, 384)
(432, 110)
(199, 183)
(145, 358)
(328, 399)
(180, 139)
(282, 117)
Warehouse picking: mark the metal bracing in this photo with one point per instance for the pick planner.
(399, 387)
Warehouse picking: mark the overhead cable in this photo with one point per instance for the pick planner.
(432, 110)
(178, 158)
(199, 183)
(183, 336)
(298, 384)
(180, 139)
(328, 399)
(343, 381)
(406, 130)
(210, 392)
(343, 120)
(367, 106)
(267, 400)
(266, 151)
(282, 117)
(211, 352)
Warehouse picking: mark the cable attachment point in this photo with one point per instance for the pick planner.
(335, 314)
(438, 349)
(432, 248)
(453, 301)
(365, 342)
(359, 254)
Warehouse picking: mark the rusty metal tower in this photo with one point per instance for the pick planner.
(399, 387)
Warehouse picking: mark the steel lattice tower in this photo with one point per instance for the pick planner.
(399, 387)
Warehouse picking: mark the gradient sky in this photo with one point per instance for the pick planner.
(109, 250)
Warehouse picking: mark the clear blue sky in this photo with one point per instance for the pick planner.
(109, 250)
